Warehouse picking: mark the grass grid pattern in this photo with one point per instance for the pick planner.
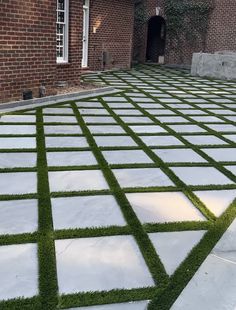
(147, 97)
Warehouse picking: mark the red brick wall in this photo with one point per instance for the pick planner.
(222, 28)
(27, 45)
(221, 34)
(114, 22)
(28, 42)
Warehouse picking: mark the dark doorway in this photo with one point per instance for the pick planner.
(156, 38)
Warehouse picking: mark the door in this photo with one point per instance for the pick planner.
(85, 33)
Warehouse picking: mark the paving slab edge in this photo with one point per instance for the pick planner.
(39, 102)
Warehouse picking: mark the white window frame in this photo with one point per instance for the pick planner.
(65, 58)
(84, 62)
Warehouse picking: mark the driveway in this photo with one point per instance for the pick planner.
(117, 200)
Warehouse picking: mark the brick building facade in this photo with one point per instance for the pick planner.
(31, 31)
(221, 34)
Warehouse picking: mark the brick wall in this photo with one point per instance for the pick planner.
(113, 20)
(221, 33)
(222, 28)
(28, 42)
(27, 45)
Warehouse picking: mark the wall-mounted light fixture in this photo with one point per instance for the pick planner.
(158, 9)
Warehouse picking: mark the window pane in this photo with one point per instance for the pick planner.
(61, 4)
(61, 30)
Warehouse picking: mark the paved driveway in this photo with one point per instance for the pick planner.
(118, 198)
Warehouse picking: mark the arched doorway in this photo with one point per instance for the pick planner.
(156, 38)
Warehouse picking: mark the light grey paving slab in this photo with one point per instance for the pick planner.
(18, 216)
(147, 129)
(207, 119)
(127, 112)
(180, 106)
(217, 201)
(201, 176)
(89, 104)
(101, 263)
(187, 128)
(115, 99)
(65, 142)
(204, 140)
(18, 160)
(225, 248)
(231, 169)
(160, 140)
(224, 154)
(179, 156)
(126, 157)
(59, 129)
(80, 180)
(17, 119)
(159, 94)
(59, 119)
(93, 111)
(18, 143)
(169, 100)
(120, 105)
(134, 305)
(99, 119)
(135, 94)
(160, 112)
(163, 207)
(222, 100)
(208, 106)
(18, 271)
(135, 119)
(222, 111)
(86, 211)
(18, 183)
(214, 284)
(105, 129)
(62, 111)
(178, 242)
(142, 177)
(223, 127)
(141, 99)
(197, 100)
(192, 112)
(111, 141)
(172, 119)
(185, 96)
(17, 129)
(231, 137)
(231, 118)
(83, 158)
(150, 105)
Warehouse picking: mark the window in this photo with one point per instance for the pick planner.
(62, 30)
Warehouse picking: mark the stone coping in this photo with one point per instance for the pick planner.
(38, 102)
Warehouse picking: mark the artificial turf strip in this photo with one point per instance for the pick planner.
(147, 249)
(48, 289)
(110, 297)
(21, 304)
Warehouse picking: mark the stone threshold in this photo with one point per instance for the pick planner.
(39, 102)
